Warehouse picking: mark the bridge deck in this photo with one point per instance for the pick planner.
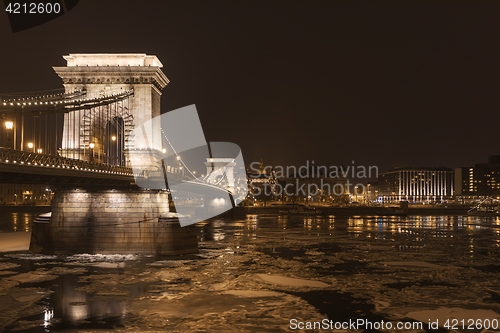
(28, 167)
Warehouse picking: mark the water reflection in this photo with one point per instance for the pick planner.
(20, 220)
(211, 230)
(68, 306)
(475, 234)
(14, 218)
(383, 228)
(48, 314)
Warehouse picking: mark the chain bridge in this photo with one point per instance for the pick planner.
(80, 141)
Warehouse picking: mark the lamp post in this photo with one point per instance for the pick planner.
(9, 126)
(91, 145)
(115, 152)
(164, 159)
(179, 168)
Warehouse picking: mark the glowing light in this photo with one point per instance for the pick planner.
(9, 125)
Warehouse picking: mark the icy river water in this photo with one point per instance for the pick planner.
(271, 274)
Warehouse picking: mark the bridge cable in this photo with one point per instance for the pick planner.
(224, 175)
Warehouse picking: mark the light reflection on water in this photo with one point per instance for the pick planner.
(417, 230)
(75, 306)
(18, 221)
(69, 307)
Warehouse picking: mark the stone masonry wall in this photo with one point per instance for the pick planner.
(114, 221)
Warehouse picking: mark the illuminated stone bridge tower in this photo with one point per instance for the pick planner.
(104, 134)
(120, 220)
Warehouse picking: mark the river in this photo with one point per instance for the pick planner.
(268, 274)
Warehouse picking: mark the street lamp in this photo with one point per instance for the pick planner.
(9, 125)
(91, 145)
(30, 145)
(178, 158)
(114, 153)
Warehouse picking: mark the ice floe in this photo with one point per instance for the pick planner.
(293, 282)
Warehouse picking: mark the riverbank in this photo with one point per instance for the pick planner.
(349, 211)
(301, 209)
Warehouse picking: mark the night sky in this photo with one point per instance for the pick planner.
(380, 83)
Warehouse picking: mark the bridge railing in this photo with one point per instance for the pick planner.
(11, 156)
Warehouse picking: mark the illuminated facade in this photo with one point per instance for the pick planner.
(105, 133)
(265, 185)
(416, 185)
(331, 190)
(262, 186)
(480, 180)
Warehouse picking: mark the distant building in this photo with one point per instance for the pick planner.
(266, 185)
(483, 179)
(262, 185)
(416, 185)
(332, 190)
(25, 194)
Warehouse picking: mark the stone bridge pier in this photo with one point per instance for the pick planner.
(112, 221)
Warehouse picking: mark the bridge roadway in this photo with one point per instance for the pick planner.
(30, 168)
(20, 167)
